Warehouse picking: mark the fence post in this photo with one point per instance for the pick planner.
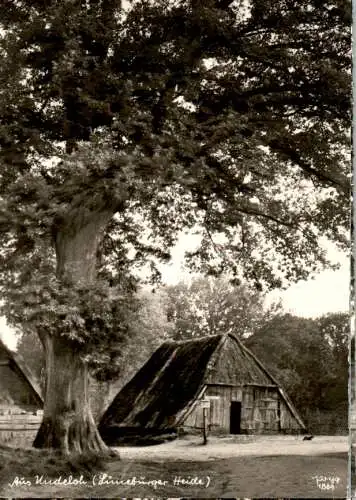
(205, 432)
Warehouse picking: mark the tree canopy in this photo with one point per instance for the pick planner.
(226, 117)
(181, 113)
(122, 125)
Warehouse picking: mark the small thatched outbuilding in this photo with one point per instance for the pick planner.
(217, 373)
(20, 391)
(21, 402)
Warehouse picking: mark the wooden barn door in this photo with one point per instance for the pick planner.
(235, 417)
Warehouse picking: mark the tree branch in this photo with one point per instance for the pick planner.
(252, 210)
(332, 179)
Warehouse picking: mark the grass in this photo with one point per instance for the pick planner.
(31, 462)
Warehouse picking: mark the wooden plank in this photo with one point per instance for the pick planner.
(19, 431)
(10, 424)
(236, 394)
(19, 425)
(20, 420)
(17, 416)
(227, 405)
(215, 417)
(263, 386)
(223, 384)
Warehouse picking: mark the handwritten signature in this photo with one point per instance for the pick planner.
(326, 482)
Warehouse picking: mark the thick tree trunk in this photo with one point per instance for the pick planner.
(68, 424)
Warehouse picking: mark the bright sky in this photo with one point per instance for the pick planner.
(327, 292)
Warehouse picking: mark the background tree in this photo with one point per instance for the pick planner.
(212, 306)
(122, 126)
(149, 328)
(310, 359)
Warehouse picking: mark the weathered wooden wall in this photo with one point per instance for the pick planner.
(262, 410)
(218, 415)
(220, 408)
(18, 429)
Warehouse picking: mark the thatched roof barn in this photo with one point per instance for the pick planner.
(181, 378)
(20, 392)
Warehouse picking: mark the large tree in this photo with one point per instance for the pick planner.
(120, 128)
(118, 362)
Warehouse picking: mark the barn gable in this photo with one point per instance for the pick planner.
(166, 392)
(19, 390)
(234, 363)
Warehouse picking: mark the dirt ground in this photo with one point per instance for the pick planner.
(236, 446)
(226, 467)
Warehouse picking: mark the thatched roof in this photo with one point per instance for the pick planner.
(19, 364)
(165, 384)
(161, 392)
